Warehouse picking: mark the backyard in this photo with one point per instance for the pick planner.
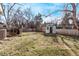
(37, 44)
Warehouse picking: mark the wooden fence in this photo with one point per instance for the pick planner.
(67, 32)
(3, 33)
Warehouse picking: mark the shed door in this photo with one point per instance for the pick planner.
(50, 29)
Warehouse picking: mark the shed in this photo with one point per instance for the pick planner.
(50, 28)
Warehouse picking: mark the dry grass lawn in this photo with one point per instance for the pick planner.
(36, 44)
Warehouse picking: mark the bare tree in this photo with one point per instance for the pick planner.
(38, 20)
(6, 8)
(73, 11)
(18, 18)
(29, 16)
(74, 15)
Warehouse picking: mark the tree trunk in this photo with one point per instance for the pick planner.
(74, 15)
